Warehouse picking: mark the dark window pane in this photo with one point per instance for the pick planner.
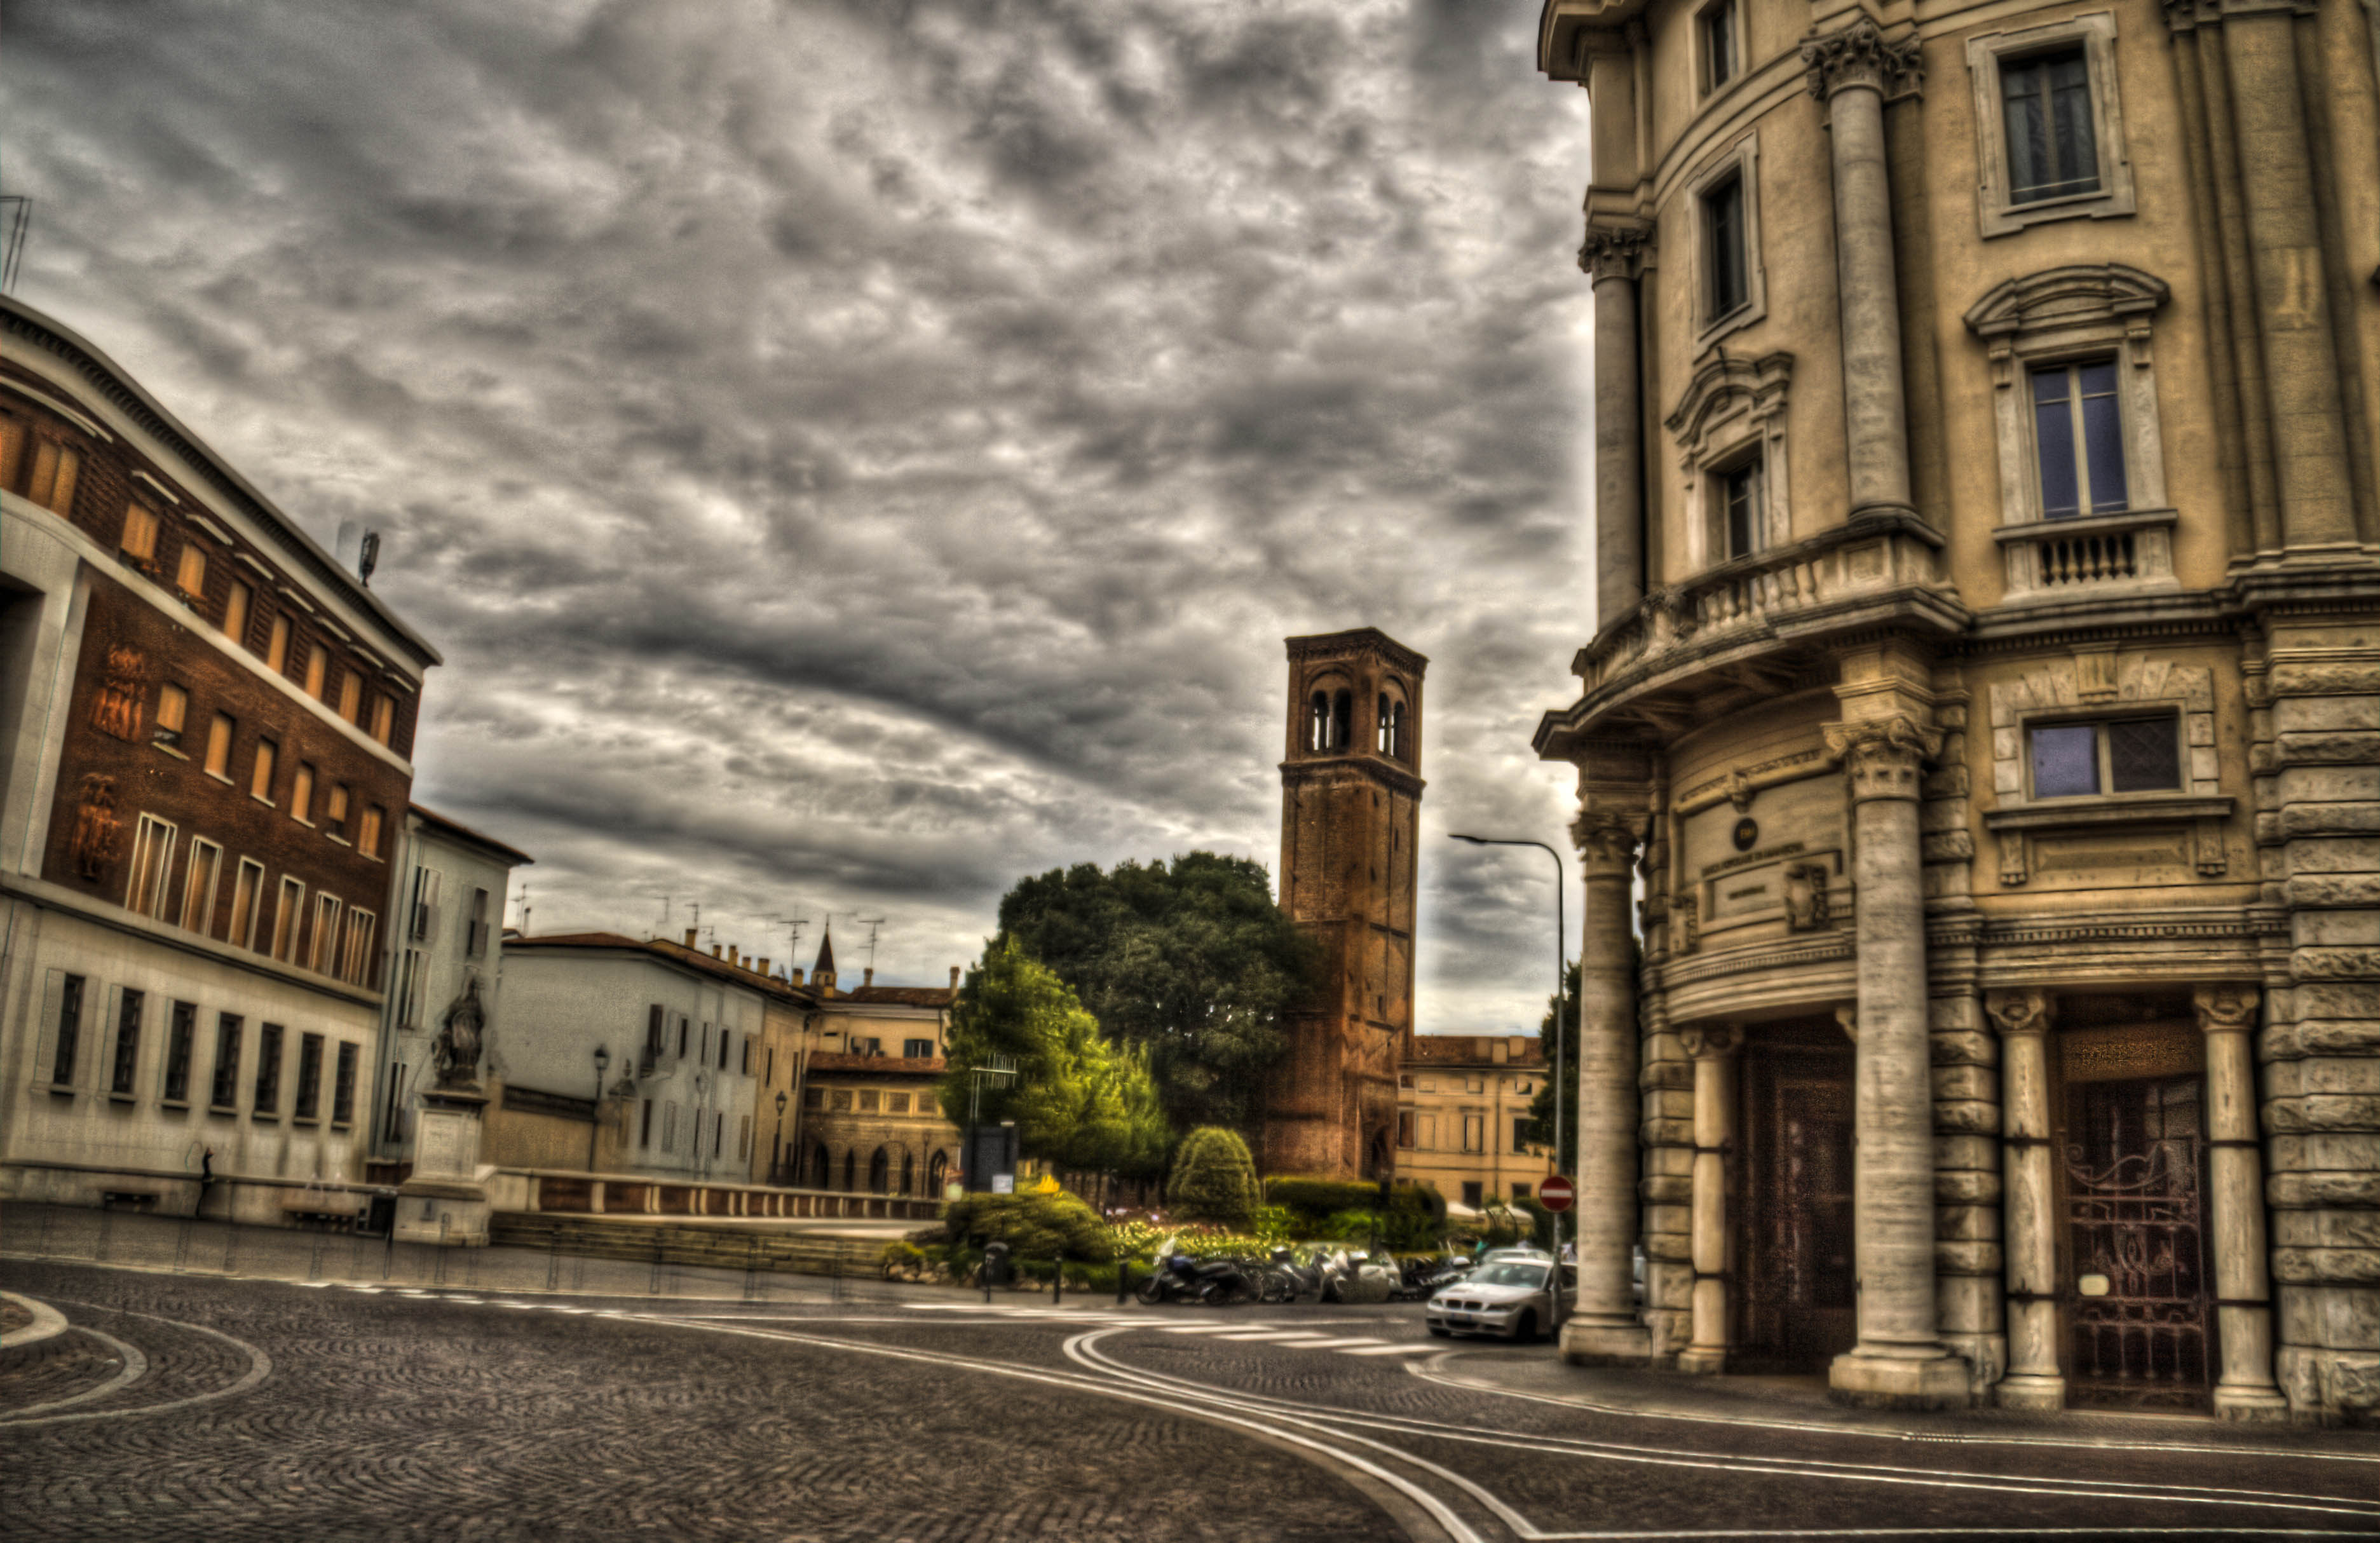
(2053, 420)
(1723, 217)
(2072, 140)
(1739, 488)
(2143, 756)
(2065, 761)
(61, 1068)
(2028, 132)
(2103, 438)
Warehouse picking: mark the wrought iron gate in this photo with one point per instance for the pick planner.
(2139, 1318)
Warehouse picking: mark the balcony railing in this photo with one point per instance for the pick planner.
(1754, 596)
(2054, 559)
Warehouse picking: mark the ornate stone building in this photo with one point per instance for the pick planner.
(1351, 811)
(1985, 687)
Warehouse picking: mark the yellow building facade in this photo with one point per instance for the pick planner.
(1985, 686)
(1461, 1102)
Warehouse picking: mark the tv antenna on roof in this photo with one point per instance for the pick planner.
(15, 224)
(523, 898)
(871, 923)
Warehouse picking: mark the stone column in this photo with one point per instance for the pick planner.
(2030, 1204)
(1614, 257)
(1605, 1327)
(1898, 1360)
(1851, 71)
(1713, 1047)
(2235, 1203)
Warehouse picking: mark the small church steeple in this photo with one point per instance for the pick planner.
(822, 973)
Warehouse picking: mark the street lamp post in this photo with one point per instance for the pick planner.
(1562, 984)
(602, 1064)
(777, 1166)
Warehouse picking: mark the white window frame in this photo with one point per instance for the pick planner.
(354, 951)
(198, 910)
(323, 954)
(243, 929)
(145, 841)
(289, 901)
(1997, 214)
(1740, 159)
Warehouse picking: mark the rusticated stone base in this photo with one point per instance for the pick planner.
(1892, 1382)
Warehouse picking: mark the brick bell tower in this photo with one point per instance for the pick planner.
(1350, 819)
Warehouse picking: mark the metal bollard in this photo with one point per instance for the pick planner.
(1124, 1282)
(314, 1263)
(106, 1226)
(751, 1269)
(552, 1259)
(181, 1244)
(653, 1287)
(1058, 1281)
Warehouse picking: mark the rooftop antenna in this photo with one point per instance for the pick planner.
(523, 898)
(666, 918)
(15, 224)
(871, 923)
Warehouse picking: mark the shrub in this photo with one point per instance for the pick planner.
(1419, 1209)
(1214, 1178)
(1033, 1226)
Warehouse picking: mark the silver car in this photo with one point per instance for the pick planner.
(1511, 1294)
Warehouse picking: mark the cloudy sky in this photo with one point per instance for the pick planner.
(853, 455)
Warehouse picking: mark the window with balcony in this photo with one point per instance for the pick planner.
(2077, 439)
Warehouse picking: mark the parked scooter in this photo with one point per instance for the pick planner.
(1209, 1283)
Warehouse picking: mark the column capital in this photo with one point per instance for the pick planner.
(1883, 755)
(1606, 840)
(1615, 249)
(1711, 1042)
(2014, 1013)
(1860, 55)
(2227, 1008)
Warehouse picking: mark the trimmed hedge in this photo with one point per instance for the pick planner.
(1316, 1200)
(1214, 1178)
(1033, 1226)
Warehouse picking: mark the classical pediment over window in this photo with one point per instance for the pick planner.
(1724, 384)
(2081, 295)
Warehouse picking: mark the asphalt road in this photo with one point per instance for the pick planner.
(201, 1407)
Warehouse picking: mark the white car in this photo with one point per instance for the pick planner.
(1511, 1294)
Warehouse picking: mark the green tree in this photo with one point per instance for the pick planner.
(1540, 1130)
(1214, 1178)
(1190, 961)
(1078, 1100)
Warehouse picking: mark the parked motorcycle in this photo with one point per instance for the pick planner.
(1360, 1278)
(1209, 1282)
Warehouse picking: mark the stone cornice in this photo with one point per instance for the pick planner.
(1860, 55)
(1355, 643)
(1351, 769)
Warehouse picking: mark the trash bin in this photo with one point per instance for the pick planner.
(996, 1271)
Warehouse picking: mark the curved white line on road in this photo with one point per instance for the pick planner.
(260, 1367)
(1946, 1438)
(134, 1367)
(1455, 1527)
(1666, 1457)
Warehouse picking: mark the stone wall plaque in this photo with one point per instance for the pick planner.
(2111, 858)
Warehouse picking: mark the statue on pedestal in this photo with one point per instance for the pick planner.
(457, 1047)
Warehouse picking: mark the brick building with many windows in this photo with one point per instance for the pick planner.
(209, 726)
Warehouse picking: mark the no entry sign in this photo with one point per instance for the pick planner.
(1557, 1193)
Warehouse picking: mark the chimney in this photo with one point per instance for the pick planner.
(764, 966)
(954, 977)
(795, 971)
(867, 978)
(714, 951)
(731, 954)
(689, 936)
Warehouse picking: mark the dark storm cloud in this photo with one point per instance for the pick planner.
(851, 457)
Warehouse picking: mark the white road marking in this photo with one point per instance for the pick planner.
(1340, 1345)
(1393, 1350)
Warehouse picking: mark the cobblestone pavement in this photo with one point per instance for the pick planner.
(273, 1409)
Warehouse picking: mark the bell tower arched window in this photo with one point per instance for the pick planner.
(1329, 720)
(1389, 736)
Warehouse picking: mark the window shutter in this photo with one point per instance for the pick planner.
(653, 1030)
(53, 995)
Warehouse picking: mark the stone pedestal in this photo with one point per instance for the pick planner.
(445, 1201)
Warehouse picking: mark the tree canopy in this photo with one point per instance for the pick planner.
(1540, 1130)
(1078, 1100)
(1189, 961)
